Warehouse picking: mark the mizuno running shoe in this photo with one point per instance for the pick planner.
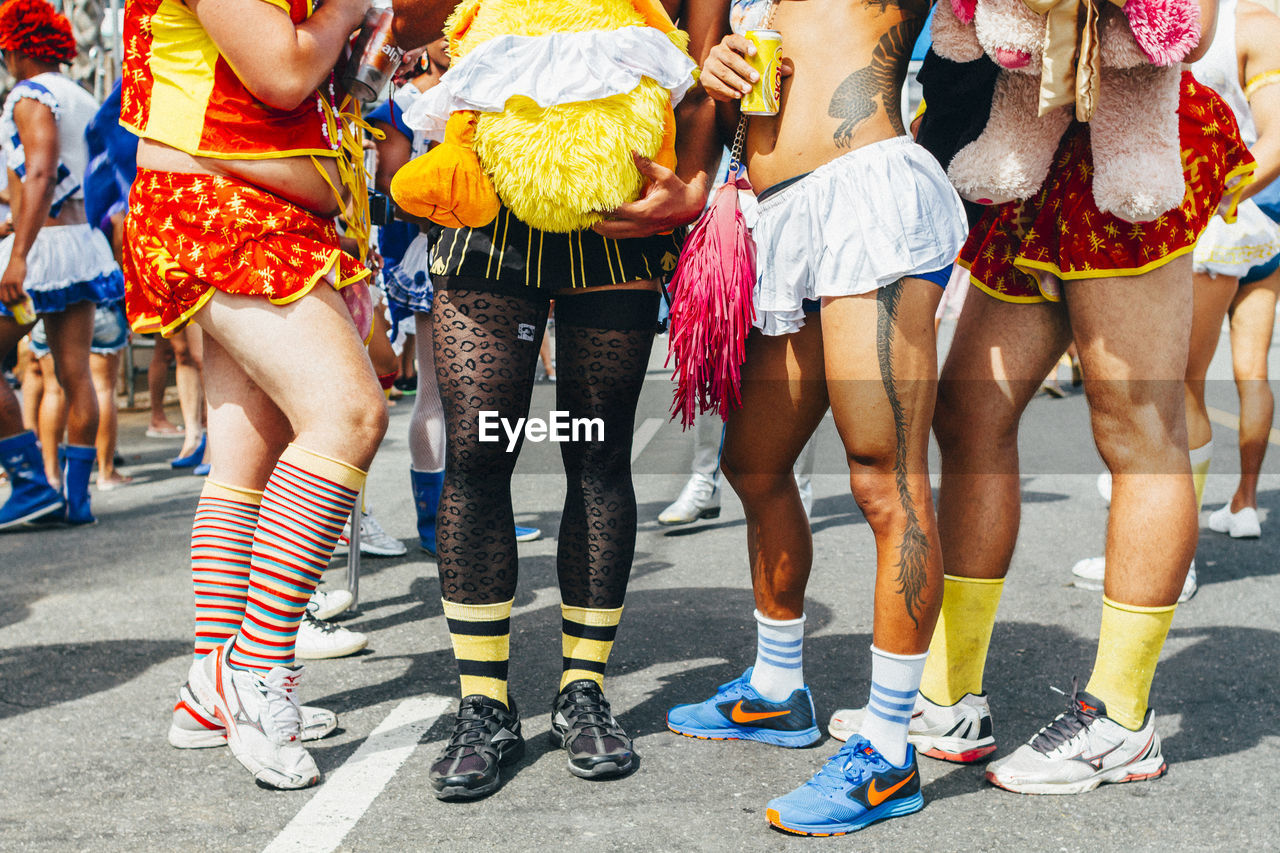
(1081, 749)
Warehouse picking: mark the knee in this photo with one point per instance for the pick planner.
(364, 425)
(753, 485)
(964, 425)
(875, 491)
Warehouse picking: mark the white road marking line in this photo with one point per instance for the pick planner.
(344, 797)
(643, 436)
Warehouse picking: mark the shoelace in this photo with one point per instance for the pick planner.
(371, 529)
(1066, 725)
(282, 708)
(850, 766)
(471, 728)
(586, 713)
(319, 624)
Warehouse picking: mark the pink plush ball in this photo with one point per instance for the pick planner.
(1166, 30)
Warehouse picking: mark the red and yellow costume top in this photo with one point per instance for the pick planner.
(191, 235)
(178, 89)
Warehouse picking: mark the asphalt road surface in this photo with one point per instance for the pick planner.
(94, 642)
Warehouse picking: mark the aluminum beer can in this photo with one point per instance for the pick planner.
(24, 313)
(374, 56)
(766, 95)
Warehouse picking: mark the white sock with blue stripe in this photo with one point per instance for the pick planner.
(779, 669)
(895, 681)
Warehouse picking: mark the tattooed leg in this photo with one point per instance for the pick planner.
(881, 378)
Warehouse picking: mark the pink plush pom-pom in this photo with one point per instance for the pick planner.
(1166, 30)
(964, 9)
(712, 310)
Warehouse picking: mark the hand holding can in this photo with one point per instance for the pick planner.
(765, 97)
(374, 56)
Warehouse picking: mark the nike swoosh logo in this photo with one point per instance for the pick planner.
(875, 798)
(740, 716)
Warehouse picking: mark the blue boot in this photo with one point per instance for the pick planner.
(32, 496)
(75, 483)
(426, 497)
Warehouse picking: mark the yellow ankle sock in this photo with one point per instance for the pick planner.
(586, 638)
(958, 650)
(1200, 459)
(481, 635)
(1128, 648)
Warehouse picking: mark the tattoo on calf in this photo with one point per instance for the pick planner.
(855, 98)
(913, 553)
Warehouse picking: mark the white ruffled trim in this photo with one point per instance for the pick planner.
(853, 225)
(1234, 248)
(557, 68)
(62, 256)
(41, 94)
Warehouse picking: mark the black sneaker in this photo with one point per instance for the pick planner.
(582, 724)
(485, 736)
(407, 385)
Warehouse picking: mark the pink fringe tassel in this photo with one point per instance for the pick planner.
(712, 310)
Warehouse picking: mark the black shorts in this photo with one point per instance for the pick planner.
(511, 253)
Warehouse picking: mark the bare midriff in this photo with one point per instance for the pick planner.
(295, 179)
(849, 59)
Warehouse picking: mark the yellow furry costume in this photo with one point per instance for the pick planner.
(545, 101)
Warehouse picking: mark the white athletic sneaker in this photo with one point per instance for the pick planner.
(1081, 749)
(328, 603)
(1089, 573)
(318, 639)
(959, 732)
(1238, 525)
(374, 541)
(698, 499)
(195, 727)
(262, 719)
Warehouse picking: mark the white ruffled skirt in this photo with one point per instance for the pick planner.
(1234, 248)
(68, 264)
(851, 226)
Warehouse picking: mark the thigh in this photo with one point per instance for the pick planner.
(247, 431)
(1132, 335)
(70, 335)
(306, 356)
(881, 367)
(1253, 319)
(1000, 354)
(1210, 298)
(784, 397)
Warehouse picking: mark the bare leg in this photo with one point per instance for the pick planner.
(1131, 334)
(1000, 354)
(881, 366)
(783, 401)
(10, 410)
(1253, 316)
(28, 369)
(106, 370)
(51, 422)
(70, 334)
(1211, 298)
(190, 388)
(157, 379)
(251, 431)
(306, 357)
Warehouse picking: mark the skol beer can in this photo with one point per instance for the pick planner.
(374, 56)
(766, 95)
(24, 313)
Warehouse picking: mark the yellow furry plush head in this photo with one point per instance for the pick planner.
(558, 168)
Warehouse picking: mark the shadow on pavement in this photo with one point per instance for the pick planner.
(33, 677)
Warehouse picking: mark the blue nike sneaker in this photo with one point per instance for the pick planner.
(855, 788)
(738, 712)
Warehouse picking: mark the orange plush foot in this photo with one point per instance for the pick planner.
(447, 184)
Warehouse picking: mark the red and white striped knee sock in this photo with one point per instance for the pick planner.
(221, 543)
(306, 502)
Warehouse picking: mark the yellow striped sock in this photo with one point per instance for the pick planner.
(1129, 646)
(1200, 459)
(958, 650)
(481, 635)
(586, 638)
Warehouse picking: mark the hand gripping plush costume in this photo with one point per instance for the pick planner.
(541, 109)
(1121, 71)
